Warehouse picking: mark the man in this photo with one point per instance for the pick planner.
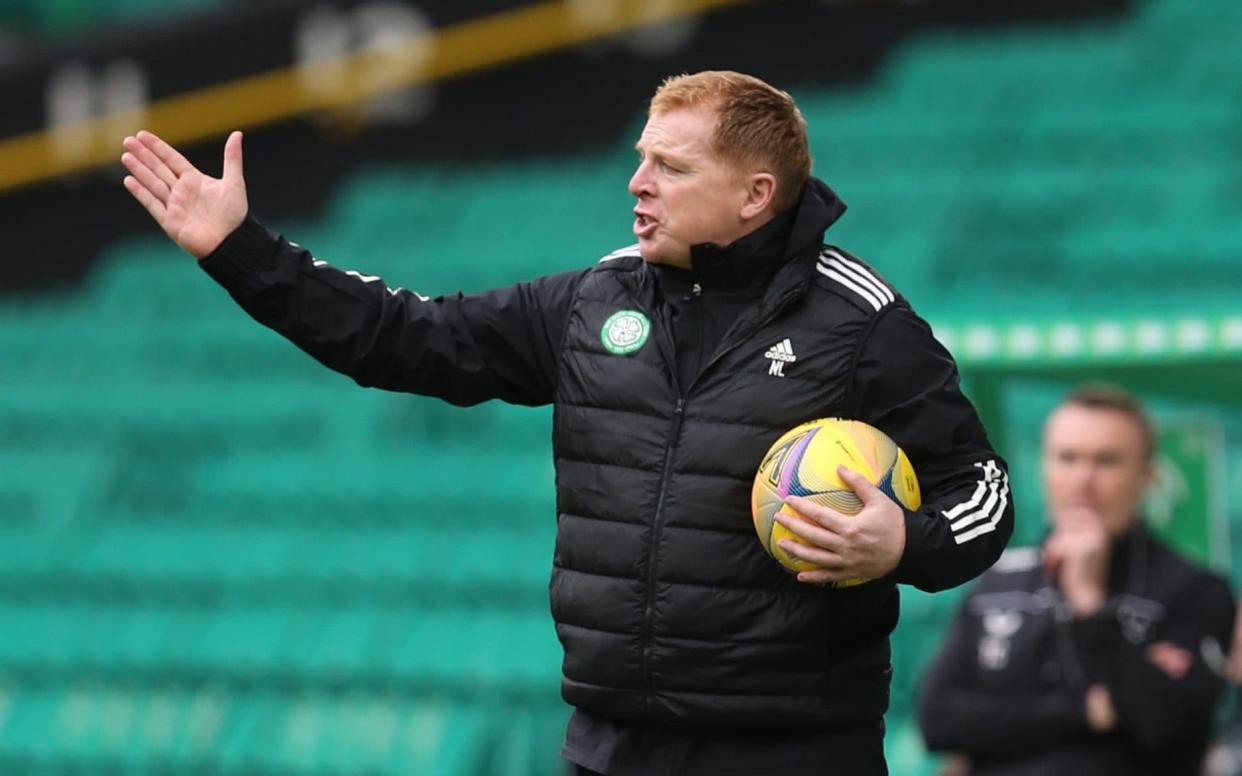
(687, 649)
(1101, 654)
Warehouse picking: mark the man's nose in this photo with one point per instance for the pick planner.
(1084, 477)
(640, 181)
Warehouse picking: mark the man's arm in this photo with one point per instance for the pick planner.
(1165, 690)
(501, 344)
(465, 349)
(907, 385)
(956, 715)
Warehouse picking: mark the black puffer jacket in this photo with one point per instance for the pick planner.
(668, 609)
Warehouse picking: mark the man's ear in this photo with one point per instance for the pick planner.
(760, 191)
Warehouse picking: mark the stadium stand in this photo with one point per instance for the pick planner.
(64, 18)
(217, 557)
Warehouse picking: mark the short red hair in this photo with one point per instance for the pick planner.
(758, 127)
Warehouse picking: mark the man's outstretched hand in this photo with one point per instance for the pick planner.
(195, 210)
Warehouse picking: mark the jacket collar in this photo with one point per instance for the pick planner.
(818, 209)
(748, 262)
(753, 262)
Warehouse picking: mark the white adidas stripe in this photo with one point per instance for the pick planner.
(377, 279)
(866, 295)
(973, 502)
(989, 526)
(992, 474)
(978, 515)
(629, 250)
(863, 274)
(320, 264)
(982, 512)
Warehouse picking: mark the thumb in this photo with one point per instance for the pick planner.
(233, 157)
(862, 487)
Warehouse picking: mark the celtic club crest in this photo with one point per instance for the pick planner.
(624, 332)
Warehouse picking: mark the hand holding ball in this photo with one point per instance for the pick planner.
(804, 461)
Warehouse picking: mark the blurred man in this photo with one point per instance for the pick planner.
(1100, 653)
(673, 364)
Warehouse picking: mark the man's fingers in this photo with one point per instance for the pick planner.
(169, 155)
(823, 576)
(145, 198)
(147, 178)
(810, 532)
(152, 162)
(862, 487)
(148, 158)
(820, 557)
(233, 157)
(829, 518)
(1170, 658)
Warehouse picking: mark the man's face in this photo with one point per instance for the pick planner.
(686, 195)
(1094, 462)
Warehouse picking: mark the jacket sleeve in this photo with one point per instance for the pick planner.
(955, 714)
(1155, 708)
(465, 349)
(906, 384)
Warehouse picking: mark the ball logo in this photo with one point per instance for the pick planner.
(624, 332)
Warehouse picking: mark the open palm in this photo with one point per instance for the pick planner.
(195, 210)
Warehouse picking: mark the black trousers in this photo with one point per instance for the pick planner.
(613, 749)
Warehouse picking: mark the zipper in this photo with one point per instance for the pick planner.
(656, 526)
(728, 345)
(669, 345)
(1071, 660)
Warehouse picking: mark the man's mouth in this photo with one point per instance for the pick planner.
(644, 225)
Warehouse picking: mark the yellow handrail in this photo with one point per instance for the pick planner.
(287, 92)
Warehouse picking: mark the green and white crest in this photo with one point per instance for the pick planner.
(624, 332)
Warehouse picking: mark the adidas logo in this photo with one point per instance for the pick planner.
(781, 353)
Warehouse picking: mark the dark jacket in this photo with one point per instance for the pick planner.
(1009, 685)
(668, 609)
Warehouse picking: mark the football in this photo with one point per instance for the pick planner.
(804, 461)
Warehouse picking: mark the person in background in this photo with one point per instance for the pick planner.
(1101, 652)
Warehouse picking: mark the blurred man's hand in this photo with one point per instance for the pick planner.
(195, 210)
(1101, 714)
(1077, 556)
